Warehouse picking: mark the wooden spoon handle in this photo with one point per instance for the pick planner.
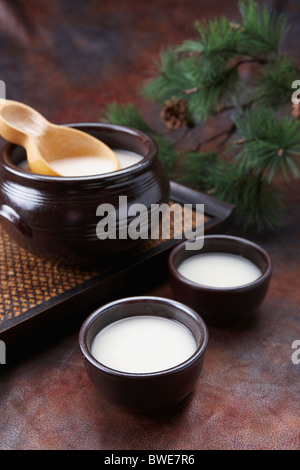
(18, 122)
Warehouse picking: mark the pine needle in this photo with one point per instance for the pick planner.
(271, 145)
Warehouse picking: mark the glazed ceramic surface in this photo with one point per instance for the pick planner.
(56, 216)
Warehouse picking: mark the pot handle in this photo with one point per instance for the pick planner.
(10, 215)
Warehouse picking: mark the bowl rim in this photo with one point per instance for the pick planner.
(110, 176)
(82, 338)
(234, 239)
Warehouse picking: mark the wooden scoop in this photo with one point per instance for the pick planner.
(45, 142)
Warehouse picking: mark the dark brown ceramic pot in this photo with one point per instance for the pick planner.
(147, 392)
(221, 306)
(56, 216)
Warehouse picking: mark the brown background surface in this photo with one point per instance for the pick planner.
(69, 59)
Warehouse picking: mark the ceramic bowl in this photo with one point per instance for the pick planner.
(144, 392)
(221, 306)
(56, 216)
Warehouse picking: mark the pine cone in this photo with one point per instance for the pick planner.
(175, 113)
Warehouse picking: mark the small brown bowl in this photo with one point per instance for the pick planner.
(144, 392)
(221, 306)
(55, 216)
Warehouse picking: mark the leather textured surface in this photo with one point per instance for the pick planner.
(69, 59)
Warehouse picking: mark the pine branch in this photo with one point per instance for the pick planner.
(197, 169)
(203, 83)
(271, 145)
(217, 37)
(263, 29)
(171, 78)
(273, 87)
(258, 203)
(203, 77)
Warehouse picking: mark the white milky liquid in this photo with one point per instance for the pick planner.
(85, 166)
(219, 270)
(82, 166)
(127, 158)
(143, 344)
